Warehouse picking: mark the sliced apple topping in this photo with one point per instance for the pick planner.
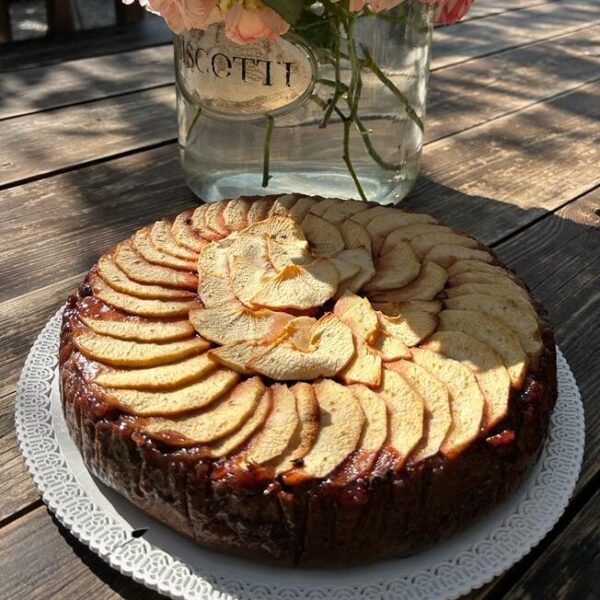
(364, 366)
(485, 362)
(299, 287)
(232, 323)
(126, 353)
(445, 254)
(110, 273)
(406, 411)
(422, 244)
(395, 269)
(375, 432)
(216, 292)
(412, 327)
(322, 205)
(492, 332)
(505, 279)
(330, 351)
(236, 356)
(139, 269)
(357, 313)
(366, 216)
(232, 442)
(283, 230)
(281, 256)
(438, 418)
(475, 266)
(274, 437)
(307, 430)
(340, 211)
(429, 283)
(213, 219)
(466, 400)
(162, 239)
(199, 223)
(140, 331)
(381, 226)
(324, 238)
(511, 314)
(298, 332)
(517, 294)
(234, 214)
(259, 210)
(408, 232)
(139, 306)
(159, 378)
(355, 236)
(346, 270)
(143, 245)
(390, 347)
(301, 208)
(393, 309)
(184, 233)
(213, 259)
(216, 421)
(341, 424)
(283, 205)
(362, 258)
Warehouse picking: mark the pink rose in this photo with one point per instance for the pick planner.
(245, 25)
(450, 11)
(187, 14)
(170, 11)
(379, 5)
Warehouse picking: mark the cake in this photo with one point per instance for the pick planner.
(307, 381)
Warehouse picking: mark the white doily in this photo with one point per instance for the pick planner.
(165, 561)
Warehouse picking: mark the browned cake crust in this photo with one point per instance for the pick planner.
(337, 520)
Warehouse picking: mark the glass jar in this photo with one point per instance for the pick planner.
(334, 108)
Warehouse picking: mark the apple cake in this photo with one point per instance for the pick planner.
(306, 380)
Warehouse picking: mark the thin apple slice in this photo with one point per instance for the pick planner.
(476, 266)
(125, 353)
(331, 350)
(324, 238)
(446, 254)
(213, 259)
(466, 399)
(362, 258)
(347, 270)
(438, 417)
(375, 432)
(139, 269)
(390, 347)
(298, 332)
(159, 378)
(283, 255)
(184, 233)
(340, 211)
(364, 367)
(408, 232)
(140, 331)
(341, 424)
(406, 411)
(143, 245)
(110, 273)
(259, 210)
(226, 415)
(381, 226)
(394, 309)
(283, 230)
(236, 356)
(199, 223)
(305, 435)
(233, 323)
(366, 216)
(216, 292)
(299, 287)
(301, 208)
(492, 332)
(232, 442)
(422, 244)
(162, 239)
(481, 277)
(412, 328)
(485, 362)
(522, 322)
(395, 269)
(518, 294)
(233, 214)
(322, 205)
(213, 218)
(139, 306)
(283, 205)
(357, 313)
(272, 440)
(428, 284)
(355, 235)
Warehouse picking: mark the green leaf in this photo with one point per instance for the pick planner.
(290, 10)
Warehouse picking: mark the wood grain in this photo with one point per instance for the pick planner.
(41, 560)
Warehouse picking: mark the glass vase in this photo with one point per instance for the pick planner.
(334, 108)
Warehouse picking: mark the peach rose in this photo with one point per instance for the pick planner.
(247, 22)
(451, 11)
(187, 14)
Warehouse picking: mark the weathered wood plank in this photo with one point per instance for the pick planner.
(43, 88)
(500, 176)
(43, 142)
(486, 8)
(151, 31)
(479, 37)
(471, 93)
(41, 560)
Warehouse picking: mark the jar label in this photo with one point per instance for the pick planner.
(244, 80)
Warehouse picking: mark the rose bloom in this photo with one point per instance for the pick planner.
(379, 5)
(250, 20)
(187, 14)
(449, 11)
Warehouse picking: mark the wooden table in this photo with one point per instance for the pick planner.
(88, 154)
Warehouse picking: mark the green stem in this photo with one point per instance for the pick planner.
(369, 63)
(338, 82)
(370, 148)
(324, 104)
(193, 124)
(267, 151)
